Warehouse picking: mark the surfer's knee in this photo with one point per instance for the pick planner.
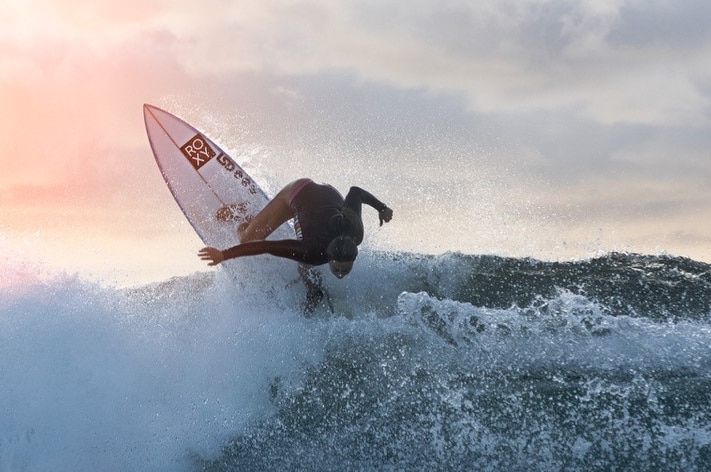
(290, 192)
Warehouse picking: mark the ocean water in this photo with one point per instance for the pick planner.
(452, 362)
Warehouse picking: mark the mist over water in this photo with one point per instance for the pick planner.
(451, 362)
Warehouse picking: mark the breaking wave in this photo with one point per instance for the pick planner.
(451, 362)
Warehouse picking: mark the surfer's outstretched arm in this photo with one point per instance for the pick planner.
(357, 196)
(288, 248)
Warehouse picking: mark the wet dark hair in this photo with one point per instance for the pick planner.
(342, 248)
(338, 223)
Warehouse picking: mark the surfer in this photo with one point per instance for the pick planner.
(329, 228)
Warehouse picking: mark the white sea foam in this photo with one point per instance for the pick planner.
(98, 379)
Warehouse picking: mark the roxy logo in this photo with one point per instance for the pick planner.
(198, 151)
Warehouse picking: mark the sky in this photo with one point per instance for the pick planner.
(530, 128)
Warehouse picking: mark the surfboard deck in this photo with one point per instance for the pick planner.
(204, 179)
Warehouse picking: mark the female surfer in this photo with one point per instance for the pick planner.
(329, 228)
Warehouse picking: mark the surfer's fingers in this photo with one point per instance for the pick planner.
(385, 215)
(211, 262)
(210, 254)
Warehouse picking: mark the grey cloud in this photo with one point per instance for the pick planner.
(679, 24)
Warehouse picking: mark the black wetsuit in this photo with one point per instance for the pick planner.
(315, 207)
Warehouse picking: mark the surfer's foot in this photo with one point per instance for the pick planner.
(231, 212)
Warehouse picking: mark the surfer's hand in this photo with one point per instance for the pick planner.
(211, 254)
(385, 215)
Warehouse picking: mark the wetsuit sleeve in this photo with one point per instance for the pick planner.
(357, 196)
(288, 248)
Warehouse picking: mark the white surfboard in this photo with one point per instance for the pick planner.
(203, 179)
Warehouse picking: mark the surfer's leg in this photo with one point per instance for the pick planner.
(276, 213)
(265, 222)
(314, 287)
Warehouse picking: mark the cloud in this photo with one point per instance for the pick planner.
(533, 105)
(595, 57)
(613, 61)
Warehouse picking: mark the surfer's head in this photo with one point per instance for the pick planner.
(342, 252)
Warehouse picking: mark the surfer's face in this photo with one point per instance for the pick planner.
(340, 268)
